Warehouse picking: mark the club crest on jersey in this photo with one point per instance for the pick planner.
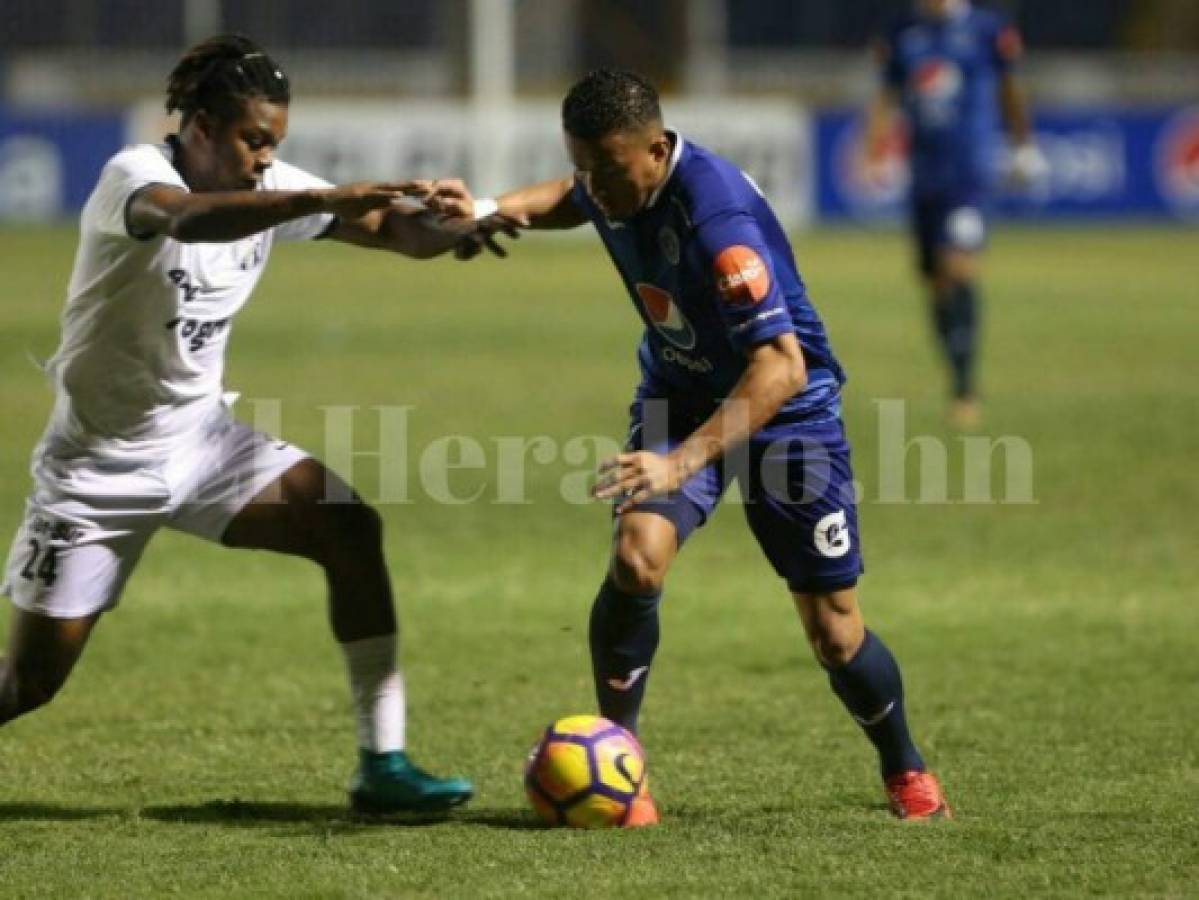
(742, 278)
(668, 320)
(668, 241)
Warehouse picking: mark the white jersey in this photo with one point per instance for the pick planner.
(147, 321)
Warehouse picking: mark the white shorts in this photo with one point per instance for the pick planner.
(89, 519)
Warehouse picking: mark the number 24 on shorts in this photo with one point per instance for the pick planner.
(47, 570)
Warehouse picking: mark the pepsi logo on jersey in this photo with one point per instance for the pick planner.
(668, 320)
(937, 79)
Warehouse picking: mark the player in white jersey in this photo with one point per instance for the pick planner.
(172, 241)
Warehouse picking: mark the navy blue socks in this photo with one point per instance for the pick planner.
(871, 688)
(955, 315)
(624, 636)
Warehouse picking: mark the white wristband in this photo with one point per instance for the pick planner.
(484, 207)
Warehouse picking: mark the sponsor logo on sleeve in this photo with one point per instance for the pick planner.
(1009, 45)
(742, 278)
(758, 319)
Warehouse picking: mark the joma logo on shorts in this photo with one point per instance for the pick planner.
(196, 332)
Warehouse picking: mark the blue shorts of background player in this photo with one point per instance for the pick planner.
(947, 223)
(796, 484)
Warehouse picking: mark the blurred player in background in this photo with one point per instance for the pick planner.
(948, 67)
(737, 382)
(173, 239)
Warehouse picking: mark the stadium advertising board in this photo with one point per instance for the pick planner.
(49, 162)
(494, 149)
(1103, 164)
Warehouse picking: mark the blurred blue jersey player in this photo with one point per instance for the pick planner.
(738, 383)
(948, 67)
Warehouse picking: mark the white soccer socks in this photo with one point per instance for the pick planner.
(377, 690)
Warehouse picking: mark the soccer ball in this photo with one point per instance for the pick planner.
(584, 772)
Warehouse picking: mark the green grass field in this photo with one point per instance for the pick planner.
(1049, 649)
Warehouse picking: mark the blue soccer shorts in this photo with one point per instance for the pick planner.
(947, 222)
(795, 481)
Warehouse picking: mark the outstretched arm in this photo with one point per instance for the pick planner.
(422, 229)
(548, 205)
(222, 216)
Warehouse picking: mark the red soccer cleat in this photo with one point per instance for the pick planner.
(642, 811)
(916, 795)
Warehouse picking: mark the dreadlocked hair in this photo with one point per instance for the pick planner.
(220, 74)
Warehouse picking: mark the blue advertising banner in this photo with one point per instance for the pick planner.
(49, 162)
(1103, 163)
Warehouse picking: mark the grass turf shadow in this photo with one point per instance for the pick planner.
(53, 812)
(257, 813)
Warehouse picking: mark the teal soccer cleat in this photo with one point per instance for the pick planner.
(387, 783)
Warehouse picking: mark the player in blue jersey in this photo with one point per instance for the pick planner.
(948, 66)
(738, 382)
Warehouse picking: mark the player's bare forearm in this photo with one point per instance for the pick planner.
(217, 216)
(221, 216)
(416, 233)
(776, 371)
(1014, 109)
(548, 205)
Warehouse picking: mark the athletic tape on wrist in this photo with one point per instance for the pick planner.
(484, 207)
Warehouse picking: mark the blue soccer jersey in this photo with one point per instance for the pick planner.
(711, 273)
(946, 73)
